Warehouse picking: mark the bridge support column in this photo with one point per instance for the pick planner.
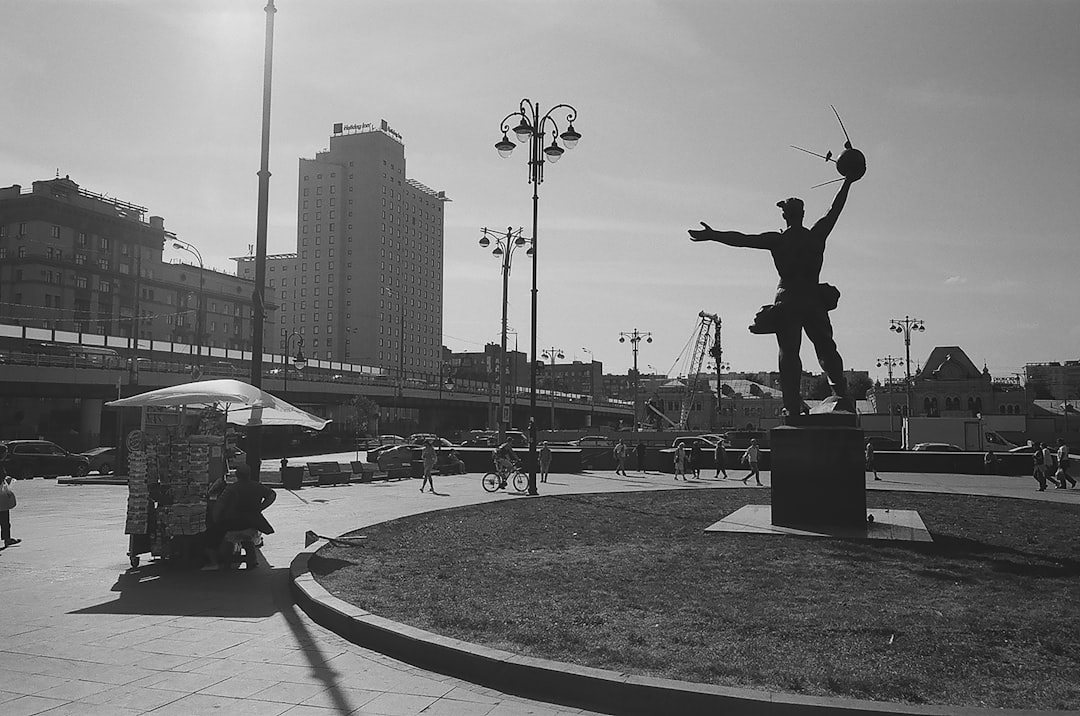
(90, 422)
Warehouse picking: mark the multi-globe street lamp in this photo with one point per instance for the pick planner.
(505, 245)
(200, 308)
(906, 325)
(299, 361)
(635, 337)
(532, 128)
(891, 362)
(550, 354)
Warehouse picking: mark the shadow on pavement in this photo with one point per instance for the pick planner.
(159, 589)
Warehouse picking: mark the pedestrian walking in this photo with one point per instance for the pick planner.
(621, 451)
(545, 460)
(750, 458)
(430, 457)
(870, 460)
(695, 460)
(990, 463)
(720, 459)
(680, 461)
(1062, 473)
(641, 451)
(7, 504)
(1040, 470)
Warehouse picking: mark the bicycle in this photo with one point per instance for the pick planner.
(494, 480)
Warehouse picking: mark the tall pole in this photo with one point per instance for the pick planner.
(199, 309)
(401, 355)
(635, 337)
(505, 245)
(551, 354)
(906, 325)
(254, 444)
(532, 128)
(890, 362)
(592, 388)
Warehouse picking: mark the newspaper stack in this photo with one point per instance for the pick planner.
(138, 507)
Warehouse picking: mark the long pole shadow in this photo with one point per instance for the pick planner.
(309, 645)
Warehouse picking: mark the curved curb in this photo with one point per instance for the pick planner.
(569, 684)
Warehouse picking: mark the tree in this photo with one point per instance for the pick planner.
(819, 387)
(366, 411)
(858, 387)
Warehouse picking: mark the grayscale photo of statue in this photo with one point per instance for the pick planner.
(802, 303)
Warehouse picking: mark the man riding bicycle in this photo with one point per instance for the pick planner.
(505, 462)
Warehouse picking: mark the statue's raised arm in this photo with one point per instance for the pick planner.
(826, 223)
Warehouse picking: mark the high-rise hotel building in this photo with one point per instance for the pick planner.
(365, 285)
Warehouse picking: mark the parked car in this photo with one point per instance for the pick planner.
(25, 459)
(936, 447)
(421, 438)
(690, 441)
(592, 441)
(479, 438)
(881, 442)
(517, 438)
(102, 460)
(398, 460)
(739, 439)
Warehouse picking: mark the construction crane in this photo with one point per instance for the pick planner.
(697, 358)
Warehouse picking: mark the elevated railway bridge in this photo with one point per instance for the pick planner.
(55, 384)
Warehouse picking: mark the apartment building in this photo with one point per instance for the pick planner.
(76, 261)
(365, 284)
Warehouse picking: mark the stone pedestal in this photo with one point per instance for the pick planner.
(818, 472)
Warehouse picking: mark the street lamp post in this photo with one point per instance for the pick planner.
(592, 388)
(635, 337)
(550, 354)
(505, 244)
(906, 325)
(299, 360)
(199, 309)
(401, 349)
(891, 362)
(532, 127)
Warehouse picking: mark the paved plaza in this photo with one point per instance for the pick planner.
(81, 633)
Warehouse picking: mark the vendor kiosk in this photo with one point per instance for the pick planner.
(172, 461)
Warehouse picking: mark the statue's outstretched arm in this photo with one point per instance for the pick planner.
(734, 238)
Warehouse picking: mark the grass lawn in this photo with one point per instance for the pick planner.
(988, 615)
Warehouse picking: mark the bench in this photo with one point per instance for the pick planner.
(363, 471)
(328, 473)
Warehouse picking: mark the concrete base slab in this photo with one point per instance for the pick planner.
(898, 525)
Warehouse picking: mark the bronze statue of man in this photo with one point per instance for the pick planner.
(801, 303)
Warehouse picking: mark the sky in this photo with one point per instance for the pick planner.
(968, 113)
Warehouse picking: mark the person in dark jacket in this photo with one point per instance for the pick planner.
(240, 507)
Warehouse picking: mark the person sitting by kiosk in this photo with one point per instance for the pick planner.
(239, 508)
